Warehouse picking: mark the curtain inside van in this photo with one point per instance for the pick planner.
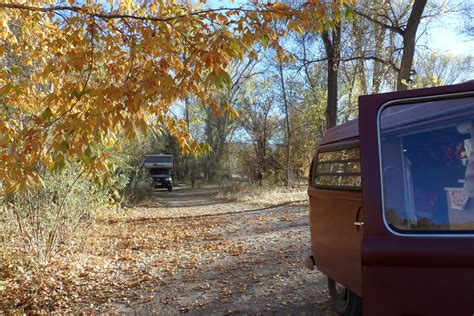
(469, 178)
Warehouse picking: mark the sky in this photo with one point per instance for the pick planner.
(443, 35)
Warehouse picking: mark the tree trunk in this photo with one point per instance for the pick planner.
(409, 42)
(288, 127)
(332, 41)
(379, 67)
(360, 72)
(188, 173)
(209, 140)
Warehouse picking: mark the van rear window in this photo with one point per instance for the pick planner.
(338, 169)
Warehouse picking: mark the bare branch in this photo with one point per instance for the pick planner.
(110, 16)
(375, 58)
(368, 17)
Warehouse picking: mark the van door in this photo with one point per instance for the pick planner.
(335, 201)
(417, 157)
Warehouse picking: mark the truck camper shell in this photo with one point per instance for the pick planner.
(158, 161)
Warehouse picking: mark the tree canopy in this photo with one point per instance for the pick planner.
(76, 74)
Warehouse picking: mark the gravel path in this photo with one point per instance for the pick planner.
(254, 264)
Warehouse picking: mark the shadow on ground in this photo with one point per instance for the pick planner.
(263, 276)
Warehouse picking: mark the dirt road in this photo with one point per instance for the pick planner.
(188, 251)
(253, 263)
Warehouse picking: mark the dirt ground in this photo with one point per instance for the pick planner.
(188, 251)
(263, 275)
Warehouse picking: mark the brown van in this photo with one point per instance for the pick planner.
(392, 205)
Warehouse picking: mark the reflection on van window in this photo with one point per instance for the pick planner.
(428, 166)
(338, 169)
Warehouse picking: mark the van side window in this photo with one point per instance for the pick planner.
(427, 166)
(338, 169)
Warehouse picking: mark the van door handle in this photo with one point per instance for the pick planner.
(357, 222)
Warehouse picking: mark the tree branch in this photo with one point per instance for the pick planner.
(309, 62)
(368, 17)
(374, 58)
(110, 16)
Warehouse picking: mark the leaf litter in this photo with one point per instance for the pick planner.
(217, 258)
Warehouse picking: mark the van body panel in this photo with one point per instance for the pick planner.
(335, 241)
(423, 291)
(405, 274)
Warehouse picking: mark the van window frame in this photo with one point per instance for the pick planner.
(391, 228)
(340, 145)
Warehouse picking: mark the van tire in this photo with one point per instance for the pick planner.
(346, 303)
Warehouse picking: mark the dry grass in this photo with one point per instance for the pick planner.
(265, 196)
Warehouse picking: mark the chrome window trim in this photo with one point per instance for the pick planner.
(408, 101)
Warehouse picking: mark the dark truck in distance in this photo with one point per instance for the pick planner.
(160, 168)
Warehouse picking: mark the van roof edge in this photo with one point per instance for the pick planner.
(344, 131)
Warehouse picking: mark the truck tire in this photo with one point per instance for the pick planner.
(345, 302)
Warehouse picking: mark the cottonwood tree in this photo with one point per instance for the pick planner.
(331, 41)
(260, 121)
(93, 70)
(220, 128)
(217, 129)
(280, 64)
(401, 18)
(374, 43)
(367, 56)
(307, 116)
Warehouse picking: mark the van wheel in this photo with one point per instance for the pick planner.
(345, 302)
